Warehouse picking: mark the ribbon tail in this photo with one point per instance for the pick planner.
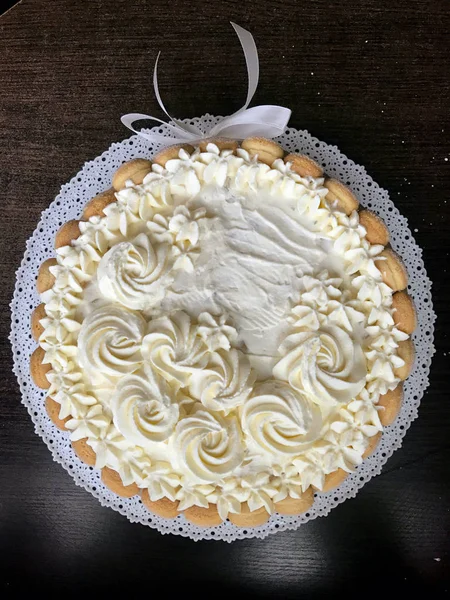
(251, 61)
(175, 134)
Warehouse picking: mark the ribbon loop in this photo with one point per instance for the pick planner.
(266, 120)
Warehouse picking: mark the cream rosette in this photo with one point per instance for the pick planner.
(327, 364)
(173, 347)
(109, 342)
(208, 444)
(144, 407)
(136, 273)
(225, 382)
(280, 420)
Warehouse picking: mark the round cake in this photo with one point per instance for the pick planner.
(224, 332)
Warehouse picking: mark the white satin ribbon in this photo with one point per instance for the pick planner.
(266, 120)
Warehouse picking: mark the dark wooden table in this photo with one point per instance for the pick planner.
(368, 76)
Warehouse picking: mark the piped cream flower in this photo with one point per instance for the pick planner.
(161, 481)
(91, 425)
(193, 495)
(74, 401)
(109, 447)
(216, 332)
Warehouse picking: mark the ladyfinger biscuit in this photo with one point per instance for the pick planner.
(392, 269)
(332, 480)
(266, 150)
(406, 351)
(38, 369)
(373, 443)
(53, 409)
(248, 518)
(84, 452)
(340, 194)
(221, 142)
(203, 517)
(134, 170)
(303, 165)
(296, 506)
(404, 315)
(36, 316)
(94, 208)
(164, 507)
(391, 402)
(376, 230)
(170, 153)
(45, 279)
(113, 482)
(67, 233)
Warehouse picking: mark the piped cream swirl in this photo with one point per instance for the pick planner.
(279, 419)
(173, 348)
(327, 364)
(110, 340)
(209, 445)
(135, 273)
(143, 408)
(225, 382)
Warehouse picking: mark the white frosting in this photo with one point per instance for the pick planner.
(225, 382)
(327, 364)
(216, 332)
(109, 342)
(181, 231)
(208, 445)
(222, 335)
(280, 419)
(109, 447)
(144, 408)
(134, 273)
(253, 255)
(90, 425)
(161, 481)
(174, 349)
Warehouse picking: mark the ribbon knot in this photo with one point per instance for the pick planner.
(266, 120)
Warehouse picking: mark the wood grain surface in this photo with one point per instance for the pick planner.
(370, 76)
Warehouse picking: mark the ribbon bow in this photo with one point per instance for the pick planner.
(266, 120)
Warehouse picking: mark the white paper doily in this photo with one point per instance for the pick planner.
(94, 177)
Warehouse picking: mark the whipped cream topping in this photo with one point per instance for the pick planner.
(326, 364)
(134, 273)
(208, 444)
(144, 407)
(280, 419)
(174, 349)
(253, 253)
(109, 342)
(222, 335)
(225, 382)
